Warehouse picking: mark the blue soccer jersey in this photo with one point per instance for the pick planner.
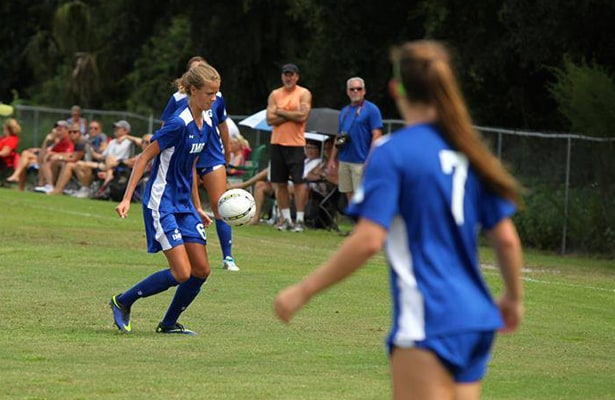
(214, 151)
(213, 154)
(433, 204)
(178, 100)
(169, 188)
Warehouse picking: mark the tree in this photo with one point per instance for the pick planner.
(157, 66)
(77, 41)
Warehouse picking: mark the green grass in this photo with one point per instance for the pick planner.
(61, 259)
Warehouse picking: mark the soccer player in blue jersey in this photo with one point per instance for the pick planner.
(212, 163)
(174, 220)
(428, 189)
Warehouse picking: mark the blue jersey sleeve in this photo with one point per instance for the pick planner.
(377, 197)
(178, 100)
(219, 109)
(169, 109)
(494, 209)
(169, 135)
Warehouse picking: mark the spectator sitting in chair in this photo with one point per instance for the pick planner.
(67, 164)
(263, 188)
(76, 118)
(321, 178)
(237, 157)
(8, 145)
(113, 163)
(56, 141)
(142, 142)
(118, 149)
(97, 142)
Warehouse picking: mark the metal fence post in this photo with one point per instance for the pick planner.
(567, 184)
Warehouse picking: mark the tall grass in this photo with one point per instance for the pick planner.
(61, 259)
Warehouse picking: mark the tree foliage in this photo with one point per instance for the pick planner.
(121, 54)
(585, 94)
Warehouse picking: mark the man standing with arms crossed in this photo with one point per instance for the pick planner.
(360, 125)
(288, 108)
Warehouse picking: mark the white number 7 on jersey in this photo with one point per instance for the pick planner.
(456, 163)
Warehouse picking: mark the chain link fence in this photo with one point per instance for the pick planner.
(36, 122)
(570, 179)
(570, 182)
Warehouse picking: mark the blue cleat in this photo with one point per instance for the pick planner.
(177, 329)
(121, 315)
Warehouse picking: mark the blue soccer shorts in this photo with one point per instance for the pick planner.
(464, 355)
(165, 231)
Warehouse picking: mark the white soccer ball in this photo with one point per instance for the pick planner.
(236, 207)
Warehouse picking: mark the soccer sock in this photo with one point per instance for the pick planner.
(153, 284)
(286, 214)
(300, 216)
(185, 294)
(225, 236)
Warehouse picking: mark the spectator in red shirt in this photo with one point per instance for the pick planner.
(54, 157)
(56, 141)
(8, 144)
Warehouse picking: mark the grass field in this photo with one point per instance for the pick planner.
(61, 259)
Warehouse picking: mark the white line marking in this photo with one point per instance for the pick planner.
(529, 279)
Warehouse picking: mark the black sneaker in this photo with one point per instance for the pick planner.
(177, 328)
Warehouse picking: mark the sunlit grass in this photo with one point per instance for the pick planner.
(62, 258)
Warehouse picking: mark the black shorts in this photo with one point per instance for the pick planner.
(286, 163)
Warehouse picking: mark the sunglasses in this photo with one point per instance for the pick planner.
(355, 89)
(93, 127)
(74, 131)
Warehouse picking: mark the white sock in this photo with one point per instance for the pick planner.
(300, 216)
(286, 213)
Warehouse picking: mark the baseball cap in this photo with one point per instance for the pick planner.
(122, 124)
(290, 68)
(61, 123)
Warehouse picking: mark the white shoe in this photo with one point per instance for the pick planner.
(229, 264)
(286, 225)
(299, 226)
(44, 189)
(82, 193)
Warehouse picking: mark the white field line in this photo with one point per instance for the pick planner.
(112, 214)
(492, 267)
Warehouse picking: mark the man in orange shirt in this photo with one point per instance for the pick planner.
(288, 108)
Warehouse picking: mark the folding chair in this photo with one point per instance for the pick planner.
(254, 164)
(323, 210)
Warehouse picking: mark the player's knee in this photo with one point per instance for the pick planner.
(201, 271)
(181, 275)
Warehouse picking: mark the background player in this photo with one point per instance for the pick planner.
(212, 163)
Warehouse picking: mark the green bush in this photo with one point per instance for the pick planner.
(590, 226)
(541, 222)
